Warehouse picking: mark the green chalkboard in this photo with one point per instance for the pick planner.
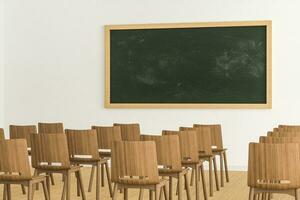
(190, 65)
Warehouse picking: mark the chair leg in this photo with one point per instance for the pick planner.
(141, 194)
(77, 184)
(91, 178)
(296, 195)
(102, 175)
(187, 187)
(226, 167)
(192, 177)
(216, 174)
(52, 179)
(48, 185)
(251, 194)
(180, 186)
(221, 170)
(4, 192)
(203, 182)
(23, 189)
(197, 182)
(108, 179)
(79, 177)
(30, 191)
(68, 186)
(170, 188)
(115, 193)
(98, 181)
(166, 192)
(46, 193)
(125, 193)
(8, 191)
(150, 195)
(157, 190)
(210, 179)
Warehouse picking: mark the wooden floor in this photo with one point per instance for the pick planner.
(236, 189)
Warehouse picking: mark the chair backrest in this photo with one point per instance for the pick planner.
(82, 143)
(167, 149)
(50, 127)
(49, 149)
(203, 138)
(188, 144)
(216, 134)
(289, 127)
(284, 134)
(130, 132)
(22, 132)
(278, 140)
(14, 158)
(106, 135)
(274, 166)
(2, 137)
(134, 162)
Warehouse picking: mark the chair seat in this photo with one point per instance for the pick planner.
(53, 167)
(168, 171)
(104, 154)
(11, 177)
(219, 150)
(84, 160)
(203, 155)
(187, 162)
(137, 181)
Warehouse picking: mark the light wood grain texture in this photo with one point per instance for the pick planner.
(22, 132)
(284, 133)
(190, 156)
(273, 168)
(15, 168)
(236, 189)
(50, 155)
(134, 165)
(83, 148)
(279, 140)
(268, 25)
(289, 127)
(2, 137)
(106, 135)
(205, 152)
(217, 141)
(129, 132)
(50, 127)
(168, 156)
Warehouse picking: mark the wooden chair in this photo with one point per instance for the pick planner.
(217, 141)
(273, 168)
(129, 132)
(278, 140)
(289, 128)
(284, 134)
(22, 132)
(190, 156)
(15, 169)
(169, 157)
(2, 137)
(134, 165)
(205, 153)
(105, 135)
(50, 154)
(83, 148)
(50, 127)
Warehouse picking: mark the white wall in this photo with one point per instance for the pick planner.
(54, 56)
(1, 63)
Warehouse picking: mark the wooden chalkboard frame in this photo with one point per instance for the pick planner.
(267, 105)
